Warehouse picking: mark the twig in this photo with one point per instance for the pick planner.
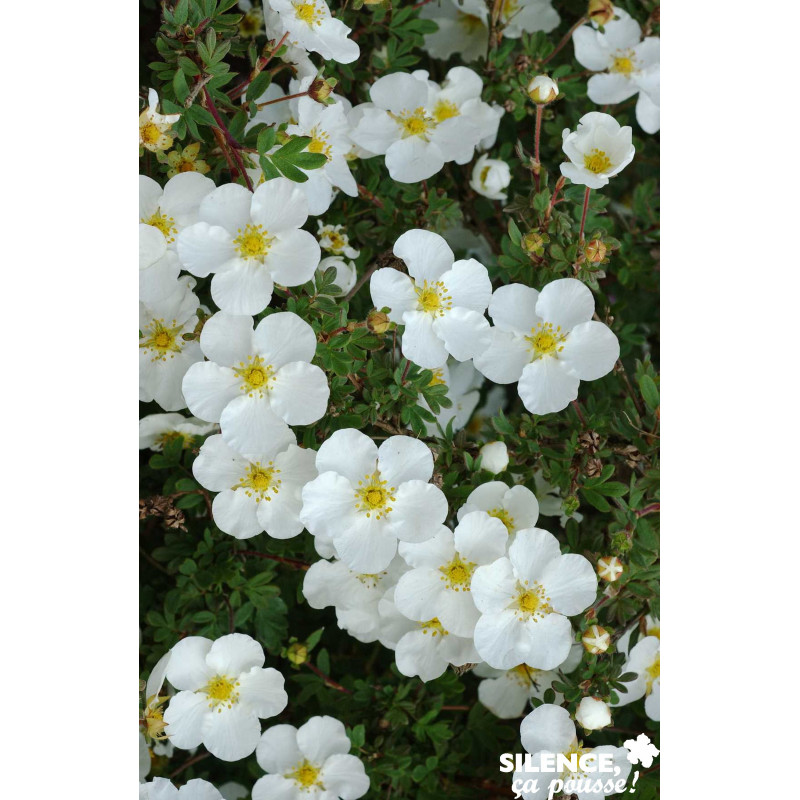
(234, 145)
(187, 764)
(566, 38)
(327, 679)
(292, 562)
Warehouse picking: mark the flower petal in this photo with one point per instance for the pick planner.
(565, 302)
(590, 351)
(426, 254)
(546, 386)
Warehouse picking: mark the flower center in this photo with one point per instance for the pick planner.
(597, 161)
(458, 573)
(510, 7)
(319, 143)
(253, 241)
(370, 579)
(624, 62)
(374, 497)
(171, 436)
(653, 672)
(305, 775)
(186, 166)
(414, 123)
(545, 340)
(525, 675)
(504, 517)
(256, 376)
(577, 750)
(445, 109)
(336, 241)
(433, 627)
(438, 378)
(531, 601)
(161, 340)
(149, 133)
(433, 298)
(250, 24)
(484, 174)
(470, 22)
(308, 13)
(259, 481)
(221, 691)
(165, 224)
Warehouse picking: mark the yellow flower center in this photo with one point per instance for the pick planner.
(370, 579)
(149, 133)
(414, 123)
(433, 627)
(433, 298)
(577, 750)
(221, 691)
(259, 481)
(445, 109)
(256, 375)
(504, 517)
(164, 223)
(470, 22)
(305, 775)
(162, 340)
(624, 62)
(154, 717)
(509, 8)
(374, 497)
(654, 631)
(597, 161)
(438, 378)
(484, 174)
(336, 241)
(525, 675)
(545, 340)
(187, 166)
(458, 573)
(531, 601)
(253, 241)
(250, 24)
(319, 143)
(171, 436)
(653, 672)
(308, 13)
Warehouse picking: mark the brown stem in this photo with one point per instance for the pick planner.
(232, 143)
(583, 216)
(361, 281)
(567, 36)
(653, 508)
(281, 99)
(536, 138)
(292, 562)
(262, 62)
(327, 679)
(187, 764)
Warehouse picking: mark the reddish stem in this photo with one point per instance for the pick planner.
(327, 679)
(537, 137)
(653, 508)
(289, 561)
(585, 209)
(281, 99)
(234, 145)
(567, 36)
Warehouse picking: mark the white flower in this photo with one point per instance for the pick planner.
(525, 599)
(223, 691)
(506, 692)
(233, 791)
(158, 267)
(257, 382)
(548, 729)
(145, 760)
(645, 660)
(354, 595)
(157, 430)
(463, 382)
(527, 16)
(517, 507)
(311, 762)
(164, 356)
(333, 239)
(260, 492)
(311, 26)
(629, 65)
(420, 126)
(438, 584)
(346, 273)
(175, 207)
(275, 113)
(328, 128)
(548, 342)
(424, 648)
(463, 29)
(550, 504)
(154, 127)
(494, 456)
(597, 150)
(250, 240)
(542, 90)
(593, 714)
(489, 177)
(366, 498)
(195, 789)
(441, 302)
(652, 627)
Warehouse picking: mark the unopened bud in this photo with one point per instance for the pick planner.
(542, 90)
(609, 568)
(297, 653)
(596, 640)
(601, 12)
(570, 505)
(321, 89)
(378, 322)
(621, 541)
(533, 243)
(593, 714)
(595, 251)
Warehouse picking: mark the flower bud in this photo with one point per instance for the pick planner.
(494, 456)
(601, 12)
(595, 251)
(609, 568)
(542, 90)
(297, 653)
(593, 714)
(570, 505)
(321, 89)
(596, 640)
(489, 177)
(533, 243)
(378, 322)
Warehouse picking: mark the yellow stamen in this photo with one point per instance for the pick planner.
(162, 340)
(256, 375)
(164, 223)
(458, 573)
(445, 109)
(624, 62)
(305, 775)
(414, 123)
(545, 340)
(373, 496)
(433, 298)
(433, 627)
(308, 13)
(221, 691)
(253, 241)
(260, 481)
(531, 601)
(597, 161)
(504, 517)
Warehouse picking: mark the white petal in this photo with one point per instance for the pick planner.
(493, 586)
(300, 393)
(648, 114)
(498, 636)
(590, 351)
(293, 258)
(344, 776)
(218, 467)
(480, 538)
(570, 583)
(362, 455)
(187, 719)
(426, 254)
(208, 388)
(418, 511)
(468, 285)
(233, 733)
(546, 386)
(394, 290)
(403, 458)
(465, 333)
(505, 357)
(262, 690)
(234, 654)
(420, 343)
(417, 593)
(204, 248)
(284, 337)
(279, 205)
(250, 424)
(277, 750)
(610, 88)
(236, 514)
(513, 308)
(412, 160)
(227, 206)
(565, 302)
(531, 552)
(322, 737)
(227, 339)
(183, 194)
(244, 289)
(187, 668)
(549, 728)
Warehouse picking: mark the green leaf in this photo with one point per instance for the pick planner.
(649, 392)
(258, 86)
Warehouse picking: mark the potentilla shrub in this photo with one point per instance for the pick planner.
(398, 340)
